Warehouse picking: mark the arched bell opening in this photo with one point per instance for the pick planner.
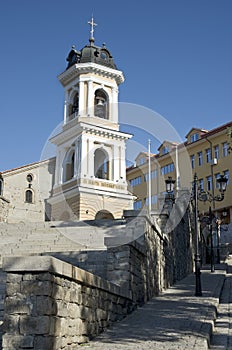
(104, 215)
(101, 164)
(74, 107)
(101, 104)
(69, 166)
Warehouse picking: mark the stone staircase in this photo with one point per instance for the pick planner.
(45, 237)
(60, 237)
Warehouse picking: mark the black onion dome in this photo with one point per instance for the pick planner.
(91, 53)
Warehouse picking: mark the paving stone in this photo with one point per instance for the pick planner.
(175, 320)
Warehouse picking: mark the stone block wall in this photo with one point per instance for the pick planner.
(152, 261)
(51, 304)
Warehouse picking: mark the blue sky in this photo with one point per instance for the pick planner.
(176, 56)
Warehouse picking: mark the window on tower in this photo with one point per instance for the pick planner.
(101, 164)
(101, 104)
(74, 107)
(69, 166)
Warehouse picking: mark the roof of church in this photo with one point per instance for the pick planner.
(29, 165)
(91, 53)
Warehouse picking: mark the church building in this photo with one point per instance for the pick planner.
(86, 179)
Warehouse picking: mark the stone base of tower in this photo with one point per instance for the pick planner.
(89, 206)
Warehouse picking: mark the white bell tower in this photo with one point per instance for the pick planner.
(90, 179)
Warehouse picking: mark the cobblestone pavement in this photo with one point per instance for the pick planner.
(222, 336)
(174, 320)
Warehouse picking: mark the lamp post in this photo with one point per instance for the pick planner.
(207, 196)
(199, 194)
(170, 197)
(197, 260)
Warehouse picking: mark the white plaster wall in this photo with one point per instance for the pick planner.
(15, 184)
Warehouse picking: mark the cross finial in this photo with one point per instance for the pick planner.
(92, 24)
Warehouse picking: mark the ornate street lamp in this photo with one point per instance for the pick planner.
(170, 189)
(169, 184)
(222, 187)
(198, 194)
(170, 196)
(207, 196)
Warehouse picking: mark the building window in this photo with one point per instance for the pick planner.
(201, 184)
(209, 183)
(217, 176)
(200, 159)
(193, 161)
(136, 181)
(165, 150)
(194, 137)
(208, 155)
(169, 168)
(154, 200)
(227, 175)
(216, 152)
(225, 149)
(138, 205)
(28, 196)
(153, 175)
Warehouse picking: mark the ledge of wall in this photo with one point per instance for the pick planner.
(51, 304)
(49, 264)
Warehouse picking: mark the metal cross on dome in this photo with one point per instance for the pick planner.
(92, 24)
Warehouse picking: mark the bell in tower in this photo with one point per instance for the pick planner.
(100, 104)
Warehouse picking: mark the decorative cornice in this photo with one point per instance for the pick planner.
(76, 130)
(81, 68)
(101, 131)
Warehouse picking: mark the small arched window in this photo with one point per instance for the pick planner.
(29, 196)
(29, 178)
(101, 104)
